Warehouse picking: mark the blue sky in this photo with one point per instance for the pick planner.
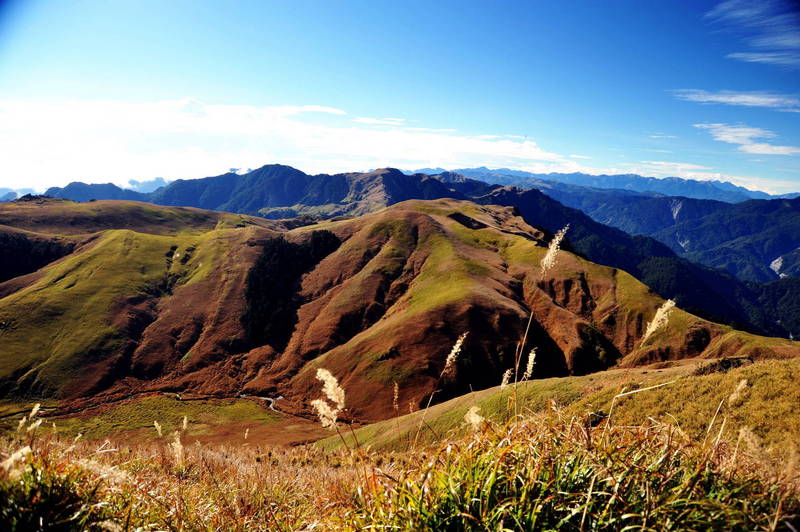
(113, 90)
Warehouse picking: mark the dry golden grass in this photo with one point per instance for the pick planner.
(551, 470)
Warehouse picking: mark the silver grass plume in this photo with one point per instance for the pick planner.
(453, 355)
(327, 415)
(549, 259)
(506, 378)
(334, 393)
(529, 366)
(660, 319)
(472, 417)
(331, 388)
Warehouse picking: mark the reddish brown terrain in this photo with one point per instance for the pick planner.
(133, 297)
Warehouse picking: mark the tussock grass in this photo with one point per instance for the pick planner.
(552, 474)
(549, 471)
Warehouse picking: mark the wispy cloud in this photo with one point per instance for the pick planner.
(662, 136)
(746, 138)
(51, 143)
(780, 102)
(574, 156)
(380, 121)
(771, 28)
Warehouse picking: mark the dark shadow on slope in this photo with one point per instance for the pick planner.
(273, 285)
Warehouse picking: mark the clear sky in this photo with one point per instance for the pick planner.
(111, 90)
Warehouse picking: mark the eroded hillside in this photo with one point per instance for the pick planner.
(191, 300)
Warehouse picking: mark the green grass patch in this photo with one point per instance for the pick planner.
(140, 414)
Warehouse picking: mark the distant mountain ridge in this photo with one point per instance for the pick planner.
(276, 191)
(668, 186)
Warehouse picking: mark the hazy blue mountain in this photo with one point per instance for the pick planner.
(670, 186)
(756, 240)
(86, 192)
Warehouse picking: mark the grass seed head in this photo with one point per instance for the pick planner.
(473, 418)
(327, 415)
(177, 449)
(13, 465)
(157, 425)
(660, 319)
(529, 366)
(449, 363)
(506, 379)
(331, 388)
(549, 259)
(735, 398)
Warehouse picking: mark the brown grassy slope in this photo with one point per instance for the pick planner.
(51, 216)
(133, 311)
(386, 306)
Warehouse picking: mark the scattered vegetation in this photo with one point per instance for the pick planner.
(551, 470)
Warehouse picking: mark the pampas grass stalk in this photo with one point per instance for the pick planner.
(545, 265)
(529, 366)
(506, 378)
(660, 320)
(449, 365)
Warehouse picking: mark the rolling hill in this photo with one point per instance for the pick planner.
(276, 191)
(185, 300)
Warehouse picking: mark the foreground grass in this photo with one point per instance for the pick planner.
(548, 471)
(765, 405)
(551, 475)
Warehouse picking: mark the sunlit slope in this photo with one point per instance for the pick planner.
(759, 399)
(226, 304)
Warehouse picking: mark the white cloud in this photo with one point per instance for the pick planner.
(574, 156)
(662, 136)
(745, 137)
(772, 28)
(781, 102)
(769, 149)
(789, 59)
(380, 121)
(51, 143)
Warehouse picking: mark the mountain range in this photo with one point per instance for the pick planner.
(668, 186)
(656, 257)
(120, 298)
(694, 228)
